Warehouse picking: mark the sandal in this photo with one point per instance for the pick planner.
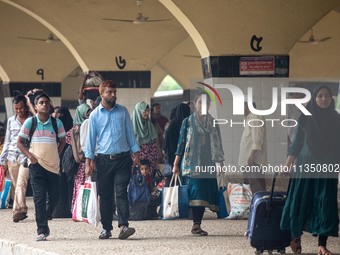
(295, 245)
(197, 231)
(323, 251)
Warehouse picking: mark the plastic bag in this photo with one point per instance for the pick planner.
(2, 178)
(4, 195)
(240, 197)
(77, 209)
(90, 209)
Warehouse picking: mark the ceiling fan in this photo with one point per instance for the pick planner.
(51, 38)
(312, 39)
(140, 19)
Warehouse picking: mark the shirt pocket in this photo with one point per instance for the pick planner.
(15, 130)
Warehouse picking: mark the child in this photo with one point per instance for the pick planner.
(155, 192)
(145, 171)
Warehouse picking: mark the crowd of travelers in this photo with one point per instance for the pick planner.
(114, 143)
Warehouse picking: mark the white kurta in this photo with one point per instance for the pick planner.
(253, 138)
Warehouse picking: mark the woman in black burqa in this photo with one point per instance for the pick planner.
(311, 204)
(63, 206)
(178, 114)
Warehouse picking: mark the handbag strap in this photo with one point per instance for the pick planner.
(171, 181)
(179, 179)
(175, 177)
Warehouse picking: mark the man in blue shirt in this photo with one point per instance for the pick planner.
(111, 129)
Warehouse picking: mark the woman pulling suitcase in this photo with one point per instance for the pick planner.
(311, 204)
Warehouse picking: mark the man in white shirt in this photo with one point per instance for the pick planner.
(253, 150)
(14, 158)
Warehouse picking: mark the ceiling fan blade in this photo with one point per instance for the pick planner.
(190, 56)
(324, 39)
(52, 40)
(158, 20)
(304, 41)
(119, 20)
(31, 38)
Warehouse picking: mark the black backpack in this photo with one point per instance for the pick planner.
(69, 164)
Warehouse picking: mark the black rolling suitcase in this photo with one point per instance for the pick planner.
(264, 230)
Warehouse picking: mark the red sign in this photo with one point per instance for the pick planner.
(257, 65)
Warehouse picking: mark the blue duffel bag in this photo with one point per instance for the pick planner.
(138, 191)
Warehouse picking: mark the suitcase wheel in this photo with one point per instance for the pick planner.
(259, 252)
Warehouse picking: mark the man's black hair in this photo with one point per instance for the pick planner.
(19, 98)
(40, 95)
(155, 104)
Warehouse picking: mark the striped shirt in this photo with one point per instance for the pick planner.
(10, 151)
(43, 145)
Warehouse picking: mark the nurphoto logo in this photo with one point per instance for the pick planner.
(239, 99)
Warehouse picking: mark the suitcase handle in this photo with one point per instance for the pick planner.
(273, 186)
(272, 190)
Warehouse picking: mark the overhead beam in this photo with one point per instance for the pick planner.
(3, 75)
(188, 26)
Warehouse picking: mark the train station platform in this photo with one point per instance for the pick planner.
(152, 237)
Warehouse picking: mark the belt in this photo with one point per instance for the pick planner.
(114, 156)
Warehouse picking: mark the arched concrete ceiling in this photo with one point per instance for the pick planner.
(226, 27)
(21, 58)
(319, 61)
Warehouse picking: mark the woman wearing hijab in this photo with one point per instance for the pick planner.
(63, 207)
(145, 133)
(178, 114)
(63, 113)
(199, 145)
(82, 113)
(311, 204)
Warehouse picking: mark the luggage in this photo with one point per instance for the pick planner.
(222, 204)
(175, 200)
(264, 230)
(4, 194)
(239, 197)
(2, 178)
(86, 207)
(138, 190)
